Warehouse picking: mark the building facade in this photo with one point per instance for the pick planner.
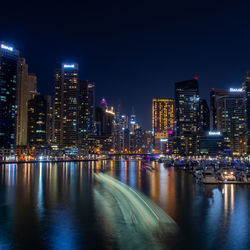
(231, 121)
(65, 105)
(9, 58)
(187, 116)
(163, 124)
(214, 95)
(37, 121)
(91, 107)
(27, 85)
(246, 89)
(204, 117)
(83, 113)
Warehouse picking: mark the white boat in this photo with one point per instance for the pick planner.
(227, 174)
(208, 177)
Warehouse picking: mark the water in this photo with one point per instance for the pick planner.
(83, 206)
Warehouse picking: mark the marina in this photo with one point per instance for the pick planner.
(118, 204)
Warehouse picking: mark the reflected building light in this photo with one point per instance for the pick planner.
(232, 197)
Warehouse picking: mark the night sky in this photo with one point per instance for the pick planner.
(134, 50)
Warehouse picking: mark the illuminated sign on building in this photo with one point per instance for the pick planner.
(163, 140)
(6, 47)
(235, 90)
(214, 133)
(71, 66)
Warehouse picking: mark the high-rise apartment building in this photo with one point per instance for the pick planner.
(27, 84)
(50, 119)
(91, 107)
(187, 111)
(230, 119)
(9, 58)
(204, 117)
(37, 120)
(163, 124)
(104, 119)
(214, 95)
(66, 105)
(83, 113)
(246, 89)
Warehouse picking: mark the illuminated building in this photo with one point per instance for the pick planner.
(132, 124)
(50, 119)
(214, 95)
(37, 121)
(246, 89)
(136, 140)
(230, 120)
(212, 144)
(120, 125)
(187, 109)
(104, 118)
(27, 83)
(126, 142)
(9, 58)
(91, 107)
(204, 117)
(83, 112)
(65, 105)
(163, 123)
(148, 142)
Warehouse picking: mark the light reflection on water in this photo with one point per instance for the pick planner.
(49, 205)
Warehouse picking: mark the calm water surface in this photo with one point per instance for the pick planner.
(79, 206)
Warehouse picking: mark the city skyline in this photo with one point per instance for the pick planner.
(109, 97)
(121, 49)
(125, 125)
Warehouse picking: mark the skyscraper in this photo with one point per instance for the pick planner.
(187, 109)
(83, 112)
(104, 119)
(204, 117)
(27, 84)
(214, 95)
(163, 124)
(91, 107)
(104, 125)
(50, 119)
(65, 105)
(231, 120)
(37, 121)
(9, 58)
(246, 89)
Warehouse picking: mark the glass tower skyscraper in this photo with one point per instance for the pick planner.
(9, 58)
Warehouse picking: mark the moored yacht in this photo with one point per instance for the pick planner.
(227, 175)
(208, 177)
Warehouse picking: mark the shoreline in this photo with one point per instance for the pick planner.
(49, 161)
